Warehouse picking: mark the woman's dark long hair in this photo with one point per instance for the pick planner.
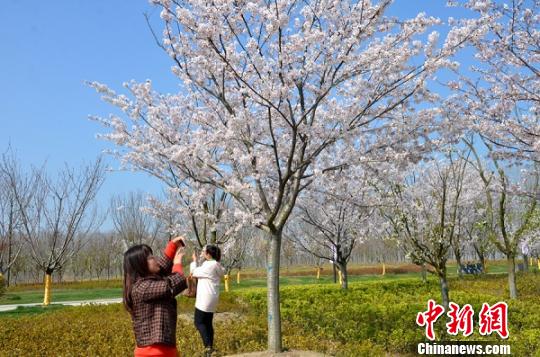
(135, 266)
(214, 252)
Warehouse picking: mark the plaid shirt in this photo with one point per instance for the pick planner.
(154, 306)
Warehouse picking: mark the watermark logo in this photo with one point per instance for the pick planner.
(429, 317)
(494, 319)
(460, 319)
(491, 319)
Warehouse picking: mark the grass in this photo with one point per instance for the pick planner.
(91, 290)
(73, 292)
(31, 310)
(58, 295)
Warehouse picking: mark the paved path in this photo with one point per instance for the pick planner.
(69, 303)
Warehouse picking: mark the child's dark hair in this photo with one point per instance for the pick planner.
(213, 251)
(135, 266)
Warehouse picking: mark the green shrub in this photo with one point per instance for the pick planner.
(107, 331)
(384, 313)
(370, 319)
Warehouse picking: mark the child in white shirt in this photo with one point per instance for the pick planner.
(208, 279)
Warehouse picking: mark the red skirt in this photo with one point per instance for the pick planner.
(156, 351)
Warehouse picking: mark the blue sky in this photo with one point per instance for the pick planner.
(49, 48)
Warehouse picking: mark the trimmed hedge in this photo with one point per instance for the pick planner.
(383, 314)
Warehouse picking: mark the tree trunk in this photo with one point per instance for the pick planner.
(125, 244)
(335, 273)
(525, 263)
(274, 312)
(481, 257)
(512, 277)
(457, 253)
(47, 293)
(344, 277)
(9, 259)
(444, 289)
(483, 261)
(424, 273)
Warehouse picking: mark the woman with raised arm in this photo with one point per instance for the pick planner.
(208, 279)
(150, 287)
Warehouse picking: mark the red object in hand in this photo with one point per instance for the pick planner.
(171, 248)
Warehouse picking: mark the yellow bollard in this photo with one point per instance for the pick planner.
(340, 277)
(383, 269)
(226, 277)
(238, 277)
(47, 297)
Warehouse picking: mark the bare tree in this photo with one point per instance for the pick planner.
(9, 219)
(58, 211)
(10, 243)
(16, 188)
(132, 224)
(104, 250)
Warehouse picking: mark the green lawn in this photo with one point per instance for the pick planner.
(34, 293)
(58, 295)
(31, 310)
(90, 290)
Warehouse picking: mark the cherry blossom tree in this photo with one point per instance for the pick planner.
(428, 204)
(510, 206)
(204, 220)
(531, 241)
(234, 250)
(332, 216)
(499, 100)
(266, 87)
(500, 97)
